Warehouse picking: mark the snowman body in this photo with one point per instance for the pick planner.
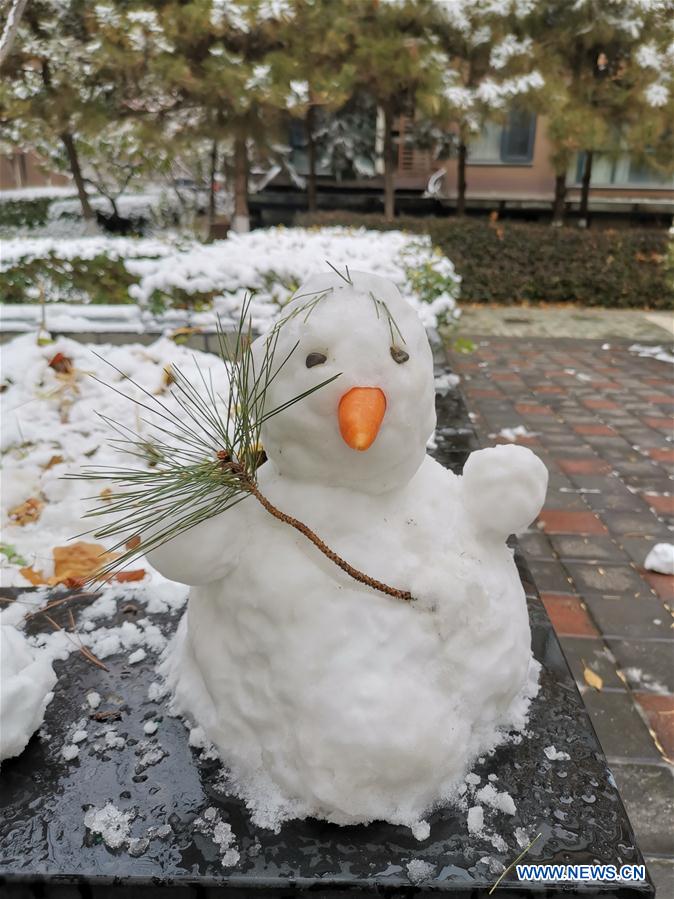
(324, 696)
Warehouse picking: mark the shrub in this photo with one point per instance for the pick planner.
(270, 264)
(512, 262)
(29, 213)
(96, 280)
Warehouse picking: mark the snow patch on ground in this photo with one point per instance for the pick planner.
(211, 825)
(556, 755)
(653, 352)
(661, 558)
(111, 824)
(418, 870)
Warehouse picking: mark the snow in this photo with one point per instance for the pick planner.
(475, 819)
(210, 824)
(652, 352)
(70, 752)
(44, 416)
(151, 727)
(36, 193)
(512, 434)
(268, 263)
(110, 823)
(136, 657)
(93, 699)
(322, 696)
(501, 801)
(556, 755)
(418, 870)
(661, 558)
(26, 682)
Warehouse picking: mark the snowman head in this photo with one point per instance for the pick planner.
(369, 427)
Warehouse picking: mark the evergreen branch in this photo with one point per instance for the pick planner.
(201, 465)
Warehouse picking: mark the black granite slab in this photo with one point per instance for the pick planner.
(46, 850)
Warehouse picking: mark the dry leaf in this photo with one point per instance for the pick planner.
(125, 576)
(36, 578)
(61, 363)
(106, 493)
(55, 460)
(74, 565)
(79, 560)
(28, 512)
(592, 678)
(133, 542)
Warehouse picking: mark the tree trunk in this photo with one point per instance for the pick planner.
(211, 186)
(559, 205)
(461, 179)
(241, 222)
(71, 150)
(12, 23)
(312, 204)
(389, 191)
(585, 190)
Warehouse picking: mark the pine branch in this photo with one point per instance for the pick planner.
(213, 467)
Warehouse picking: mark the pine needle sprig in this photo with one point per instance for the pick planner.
(196, 461)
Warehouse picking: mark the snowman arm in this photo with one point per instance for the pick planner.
(503, 489)
(203, 553)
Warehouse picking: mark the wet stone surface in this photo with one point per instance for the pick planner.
(169, 832)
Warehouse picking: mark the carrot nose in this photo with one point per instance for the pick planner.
(361, 412)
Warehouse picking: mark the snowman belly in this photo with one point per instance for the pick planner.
(352, 702)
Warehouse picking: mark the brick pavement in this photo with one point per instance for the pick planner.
(602, 421)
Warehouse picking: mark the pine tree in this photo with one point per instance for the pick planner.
(315, 63)
(391, 47)
(482, 67)
(48, 88)
(596, 90)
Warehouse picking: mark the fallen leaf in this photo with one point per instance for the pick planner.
(55, 460)
(27, 512)
(79, 560)
(592, 678)
(106, 493)
(136, 575)
(36, 578)
(133, 542)
(61, 363)
(74, 565)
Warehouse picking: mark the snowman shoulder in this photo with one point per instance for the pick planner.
(207, 551)
(503, 489)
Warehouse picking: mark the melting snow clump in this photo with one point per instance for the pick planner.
(555, 755)
(475, 819)
(418, 870)
(501, 801)
(211, 825)
(661, 558)
(111, 823)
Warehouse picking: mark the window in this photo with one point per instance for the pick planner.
(508, 144)
(620, 171)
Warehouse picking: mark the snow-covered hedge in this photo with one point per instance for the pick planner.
(269, 264)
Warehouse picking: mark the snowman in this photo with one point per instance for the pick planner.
(323, 696)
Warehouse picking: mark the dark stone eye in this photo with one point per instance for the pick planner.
(316, 359)
(399, 355)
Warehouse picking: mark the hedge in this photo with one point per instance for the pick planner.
(31, 213)
(511, 262)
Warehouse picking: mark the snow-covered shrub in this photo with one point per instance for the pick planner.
(270, 264)
(88, 270)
